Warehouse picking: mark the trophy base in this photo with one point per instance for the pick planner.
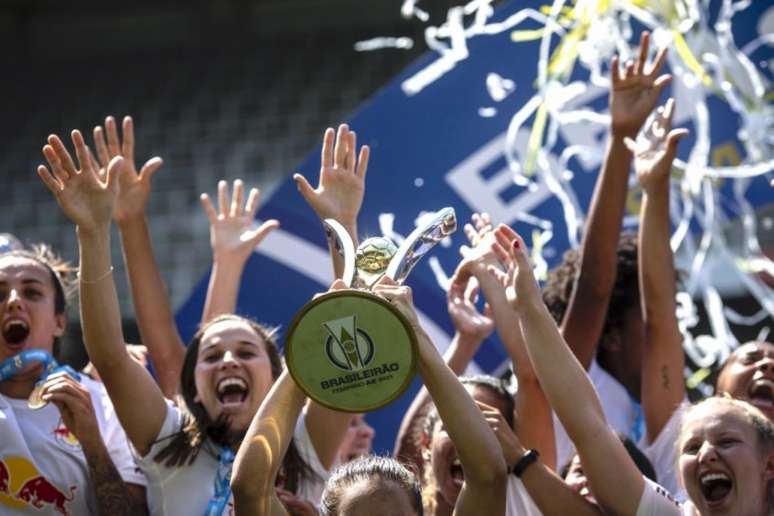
(351, 351)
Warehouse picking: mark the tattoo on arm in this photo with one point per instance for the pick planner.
(109, 488)
(665, 377)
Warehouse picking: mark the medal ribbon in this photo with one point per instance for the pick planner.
(218, 502)
(16, 363)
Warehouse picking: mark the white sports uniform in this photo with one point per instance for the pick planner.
(657, 501)
(188, 489)
(42, 468)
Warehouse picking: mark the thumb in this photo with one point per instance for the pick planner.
(150, 168)
(673, 139)
(114, 170)
(306, 190)
(262, 232)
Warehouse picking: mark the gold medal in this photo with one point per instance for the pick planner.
(36, 401)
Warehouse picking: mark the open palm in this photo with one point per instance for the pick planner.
(134, 186)
(656, 148)
(339, 194)
(86, 199)
(635, 90)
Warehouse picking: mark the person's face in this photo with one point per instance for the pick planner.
(749, 376)
(445, 463)
(233, 372)
(577, 480)
(723, 465)
(375, 498)
(358, 439)
(27, 307)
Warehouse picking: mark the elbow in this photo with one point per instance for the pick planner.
(495, 472)
(254, 470)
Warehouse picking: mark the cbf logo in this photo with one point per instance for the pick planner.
(348, 347)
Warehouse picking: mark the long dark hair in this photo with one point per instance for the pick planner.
(62, 273)
(184, 446)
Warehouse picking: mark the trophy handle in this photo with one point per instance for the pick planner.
(341, 242)
(420, 241)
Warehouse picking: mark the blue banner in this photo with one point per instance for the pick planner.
(443, 133)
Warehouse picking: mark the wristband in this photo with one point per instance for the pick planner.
(524, 462)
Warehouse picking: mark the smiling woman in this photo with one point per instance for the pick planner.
(65, 440)
(726, 455)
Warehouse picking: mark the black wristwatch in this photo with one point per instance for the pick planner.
(524, 462)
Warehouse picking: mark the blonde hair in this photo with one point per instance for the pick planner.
(763, 427)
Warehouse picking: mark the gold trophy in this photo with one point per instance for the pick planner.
(351, 350)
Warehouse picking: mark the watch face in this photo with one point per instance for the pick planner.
(351, 351)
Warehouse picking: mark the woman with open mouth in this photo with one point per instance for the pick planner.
(185, 451)
(62, 449)
(385, 491)
(725, 450)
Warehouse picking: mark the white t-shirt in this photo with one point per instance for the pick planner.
(188, 489)
(662, 453)
(657, 501)
(42, 467)
(622, 412)
(517, 499)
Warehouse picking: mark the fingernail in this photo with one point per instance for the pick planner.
(516, 244)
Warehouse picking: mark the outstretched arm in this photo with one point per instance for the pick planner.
(155, 320)
(617, 482)
(339, 194)
(472, 328)
(663, 361)
(549, 492)
(233, 238)
(260, 455)
(88, 202)
(633, 95)
(535, 429)
(479, 452)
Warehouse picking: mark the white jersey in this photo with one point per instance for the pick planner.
(42, 467)
(622, 412)
(517, 499)
(188, 489)
(657, 501)
(662, 453)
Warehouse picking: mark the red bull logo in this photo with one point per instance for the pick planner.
(64, 437)
(22, 485)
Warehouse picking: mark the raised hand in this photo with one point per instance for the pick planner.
(479, 255)
(398, 295)
(513, 450)
(86, 199)
(134, 187)
(468, 321)
(340, 191)
(518, 280)
(635, 91)
(232, 227)
(656, 148)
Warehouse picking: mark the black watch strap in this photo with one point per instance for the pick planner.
(524, 462)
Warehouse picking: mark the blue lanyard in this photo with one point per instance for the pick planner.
(16, 363)
(218, 502)
(636, 432)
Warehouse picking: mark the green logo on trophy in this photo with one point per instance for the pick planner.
(351, 350)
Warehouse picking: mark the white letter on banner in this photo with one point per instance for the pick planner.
(483, 195)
